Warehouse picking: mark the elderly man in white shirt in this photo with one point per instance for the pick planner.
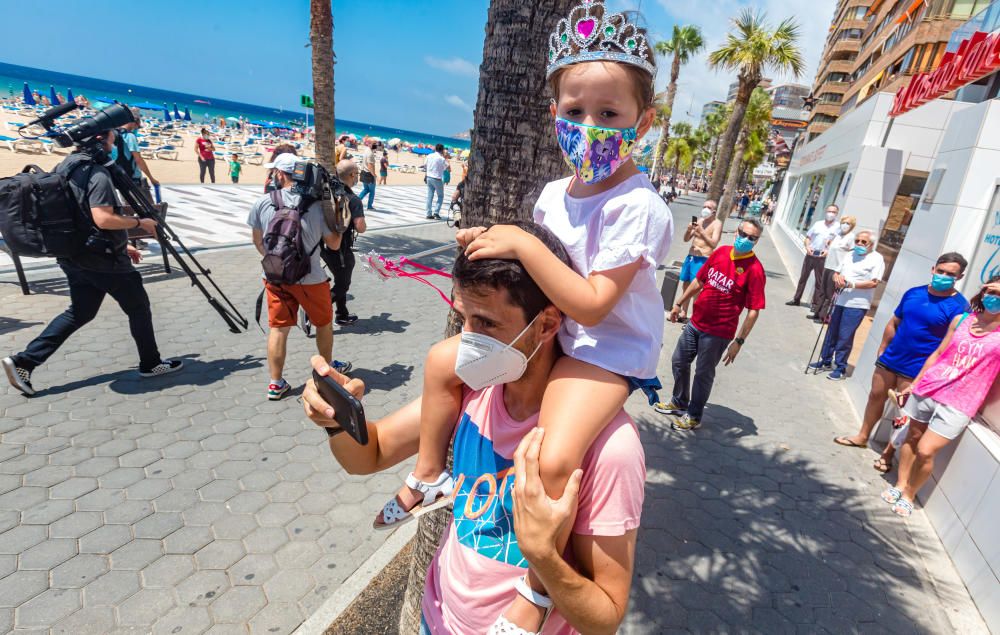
(435, 165)
(817, 243)
(856, 280)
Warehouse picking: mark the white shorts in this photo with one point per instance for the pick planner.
(946, 421)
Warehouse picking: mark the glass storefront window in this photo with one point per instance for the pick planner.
(890, 240)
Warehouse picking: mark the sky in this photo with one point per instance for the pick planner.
(410, 64)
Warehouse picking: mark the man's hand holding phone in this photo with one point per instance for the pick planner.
(316, 407)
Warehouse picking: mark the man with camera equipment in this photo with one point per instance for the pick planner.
(340, 262)
(288, 238)
(102, 266)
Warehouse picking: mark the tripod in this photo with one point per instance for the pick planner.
(132, 195)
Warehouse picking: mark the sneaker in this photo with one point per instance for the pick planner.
(346, 320)
(165, 367)
(18, 377)
(837, 375)
(277, 391)
(669, 408)
(436, 217)
(304, 323)
(821, 365)
(686, 423)
(428, 217)
(342, 367)
(792, 303)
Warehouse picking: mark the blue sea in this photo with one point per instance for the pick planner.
(202, 107)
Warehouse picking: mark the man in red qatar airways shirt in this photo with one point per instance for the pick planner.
(731, 280)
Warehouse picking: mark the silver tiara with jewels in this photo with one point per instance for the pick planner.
(596, 36)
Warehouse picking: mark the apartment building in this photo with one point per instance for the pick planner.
(876, 46)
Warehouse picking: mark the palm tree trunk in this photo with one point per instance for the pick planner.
(727, 143)
(733, 181)
(321, 39)
(514, 154)
(675, 71)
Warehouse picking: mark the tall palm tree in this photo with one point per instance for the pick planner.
(750, 48)
(661, 118)
(756, 121)
(684, 42)
(321, 40)
(511, 119)
(679, 152)
(715, 125)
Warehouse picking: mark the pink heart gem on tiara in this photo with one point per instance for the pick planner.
(586, 28)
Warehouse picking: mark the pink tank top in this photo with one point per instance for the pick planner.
(964, 373)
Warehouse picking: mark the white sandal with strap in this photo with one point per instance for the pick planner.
(438, 492)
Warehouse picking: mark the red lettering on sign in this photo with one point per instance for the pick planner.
(976, 57)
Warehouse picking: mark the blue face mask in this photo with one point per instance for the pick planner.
(991, 303)
(860, 251)
(742, 245)
(941, 282)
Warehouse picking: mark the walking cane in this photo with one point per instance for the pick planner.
(824, 325)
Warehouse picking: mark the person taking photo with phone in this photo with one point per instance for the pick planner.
(948, 392)
(703, 233)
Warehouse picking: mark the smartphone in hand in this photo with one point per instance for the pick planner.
(348, 411)
(694, 220)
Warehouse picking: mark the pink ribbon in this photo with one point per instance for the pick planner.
(391, 269)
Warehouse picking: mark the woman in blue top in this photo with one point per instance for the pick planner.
(915, 331)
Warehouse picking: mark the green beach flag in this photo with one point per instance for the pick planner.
(306, 101)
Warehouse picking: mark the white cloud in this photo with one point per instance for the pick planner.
(458, 102)
(453, 65)
(699, 84)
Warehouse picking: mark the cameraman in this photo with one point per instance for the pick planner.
(340, 261)
(102, 267)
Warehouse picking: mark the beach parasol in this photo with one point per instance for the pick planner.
(395, 141)
(177, 114)
(166, 114)
(69, 95)
(29, 99)
(145, 105)
(52, 95)
(421, 151)
(465, 154)
(187, 114)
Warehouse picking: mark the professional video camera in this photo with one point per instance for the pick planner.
(84, 135)
(314, 183)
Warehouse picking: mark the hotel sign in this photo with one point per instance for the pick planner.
(975, 58)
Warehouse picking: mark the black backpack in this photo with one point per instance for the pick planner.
(285, 258)
(40, 216)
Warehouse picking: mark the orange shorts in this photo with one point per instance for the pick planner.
(283, 303)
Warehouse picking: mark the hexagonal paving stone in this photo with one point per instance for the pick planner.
(121, 478)
(289, 585)
(23, 498)
(89, 619)
(168, 571)
(202, 588)
(47, 512)
(317, 503)
(247, 502)
(145, 607)
(183, 620)
(147, 489)
(97, 466)
(46, 555)
(111, 588)
(254, 569)
(165, 468)
(219, 491)
(265, 540)
(298, 555)
(187, 540)
(259, 480)
(128, 512)
(79, 571)
(73, 487)
(192, 479)
(115, 447)
(100, 500)
(234, 526)
(277, 618)
(204, 513)
(140, 458)
(20, 586)
(238, 605)
(8, 565)
(158, 525)
(106, 539)
(136, 555)
(21, 538)
(48, 476)
(220, 554)
(287, 492)
(233, 469)
(48, 608)
(307, 527)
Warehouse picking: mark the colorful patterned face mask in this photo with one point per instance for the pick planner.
(594, 152)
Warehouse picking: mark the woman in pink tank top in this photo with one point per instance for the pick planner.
(948, 392)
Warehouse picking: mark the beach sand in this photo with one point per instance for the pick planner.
(185, 169)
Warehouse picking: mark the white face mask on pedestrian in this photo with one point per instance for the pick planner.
(485, 361)
(831, 216)
(706, 212)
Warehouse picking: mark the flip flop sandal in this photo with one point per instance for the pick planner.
(903, 508)
(881, 466)
(439, 492)
(845, 441)
(891, 495)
